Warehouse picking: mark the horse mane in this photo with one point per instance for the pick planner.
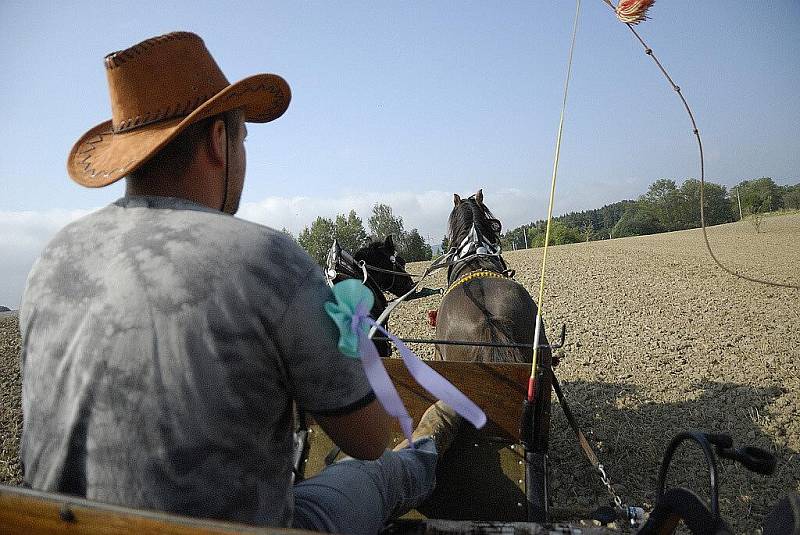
(467, 213)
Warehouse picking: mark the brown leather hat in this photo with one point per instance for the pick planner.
(158, 88)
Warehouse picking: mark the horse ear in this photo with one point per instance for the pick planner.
(456, 199)
(389, 242)
(479, 196)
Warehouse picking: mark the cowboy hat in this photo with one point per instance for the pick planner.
(158, 88)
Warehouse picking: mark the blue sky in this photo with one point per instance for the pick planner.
(408, 102)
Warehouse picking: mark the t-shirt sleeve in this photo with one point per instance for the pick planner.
(323, 380)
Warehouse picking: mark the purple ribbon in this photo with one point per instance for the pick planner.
(428, 378)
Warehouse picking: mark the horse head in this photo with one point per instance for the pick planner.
(385, 266)
(473, 230)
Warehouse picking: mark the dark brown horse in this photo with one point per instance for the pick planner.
(482, 302)
(381, 269)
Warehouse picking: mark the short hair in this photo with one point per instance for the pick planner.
(176, 157)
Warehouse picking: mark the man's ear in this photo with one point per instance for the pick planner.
(217, 142)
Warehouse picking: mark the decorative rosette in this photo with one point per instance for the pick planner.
(350, 313)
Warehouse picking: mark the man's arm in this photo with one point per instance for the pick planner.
(362, 433)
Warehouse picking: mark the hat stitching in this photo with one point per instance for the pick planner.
(181, 110)
(269, 88)
(86, 151)
(91, 171)
(115, 59)
(87, 160)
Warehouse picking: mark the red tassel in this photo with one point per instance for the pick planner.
(633, 11)
(432, 317)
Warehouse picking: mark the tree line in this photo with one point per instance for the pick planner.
(349, 231)
(664, 208)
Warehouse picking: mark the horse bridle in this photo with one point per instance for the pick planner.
(474, 246)
(394, 273)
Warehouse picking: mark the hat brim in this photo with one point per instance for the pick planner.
(101, 157)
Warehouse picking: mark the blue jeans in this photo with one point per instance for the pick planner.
(359, 497)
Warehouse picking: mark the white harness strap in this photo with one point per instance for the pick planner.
(476, 244)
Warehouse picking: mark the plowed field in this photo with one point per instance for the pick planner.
(659, 340)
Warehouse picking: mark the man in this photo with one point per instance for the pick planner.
(165, 342)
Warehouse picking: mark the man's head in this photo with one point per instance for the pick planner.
(177, 123)
(205, 163)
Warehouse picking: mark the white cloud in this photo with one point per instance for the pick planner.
(23, 235)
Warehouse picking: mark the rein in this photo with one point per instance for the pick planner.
(382, 270)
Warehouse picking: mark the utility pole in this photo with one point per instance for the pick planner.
(739, 200)
(525, 233)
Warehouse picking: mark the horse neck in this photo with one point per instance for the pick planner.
(480, 263)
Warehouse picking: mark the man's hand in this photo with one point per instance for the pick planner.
(362, 434)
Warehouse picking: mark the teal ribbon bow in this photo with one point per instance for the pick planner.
(353, 303)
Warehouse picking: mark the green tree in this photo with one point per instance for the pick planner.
(286, 231)
(349, 231)
(664, 199)
(791, 197)
(513, 239)
(318, 238)
(414, 247)
(595, 224)
(445, 244)
(717, 206)
(759, 196)
(562, 234)
(535, 234)
(639, 219)
(383, 222)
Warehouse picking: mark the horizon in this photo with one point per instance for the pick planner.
(408, 104)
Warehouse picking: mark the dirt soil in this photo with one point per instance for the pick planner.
(659, 340)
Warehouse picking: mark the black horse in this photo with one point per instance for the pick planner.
(381, 269)
(482, 302)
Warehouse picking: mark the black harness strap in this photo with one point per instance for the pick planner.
(585, 446)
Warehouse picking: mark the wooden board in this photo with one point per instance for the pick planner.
(29, 511)
(498, 389)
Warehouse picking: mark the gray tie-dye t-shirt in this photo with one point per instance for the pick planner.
(163, 345)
